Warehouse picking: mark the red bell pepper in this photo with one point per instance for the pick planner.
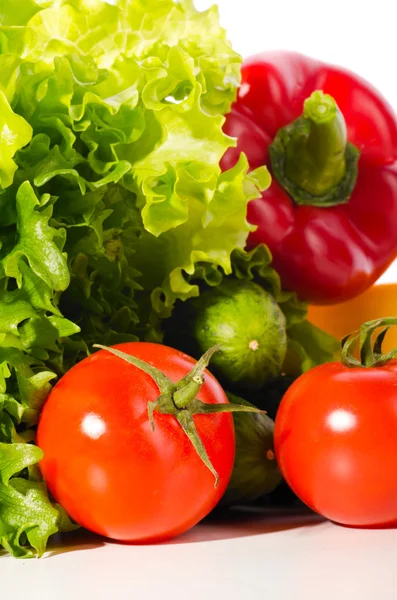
(330, 141)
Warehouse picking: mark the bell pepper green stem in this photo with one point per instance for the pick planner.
(312, 158)
(317, 162)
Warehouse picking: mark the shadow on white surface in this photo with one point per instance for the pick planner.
(73, 542)
(247, 523)
(231, 524)
(68, 542)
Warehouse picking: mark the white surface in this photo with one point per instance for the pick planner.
(390, 276)
(259, 557)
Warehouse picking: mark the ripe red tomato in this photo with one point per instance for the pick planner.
(336, 442)
(105, 465)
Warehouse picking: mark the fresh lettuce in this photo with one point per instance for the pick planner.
(27, 517)
(111, 193)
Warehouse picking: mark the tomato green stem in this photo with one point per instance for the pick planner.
(179, 399)
(188, 387)
(312, 158)
(187, 423)
(371, 354)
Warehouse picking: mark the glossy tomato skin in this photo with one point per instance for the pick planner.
(105, 465)
(336, 442)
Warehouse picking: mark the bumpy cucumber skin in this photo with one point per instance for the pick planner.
(255, 472)
(250, 327)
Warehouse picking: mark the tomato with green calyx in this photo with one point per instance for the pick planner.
(336, 433)
(136, 443)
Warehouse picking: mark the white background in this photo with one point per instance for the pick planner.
(356, 34)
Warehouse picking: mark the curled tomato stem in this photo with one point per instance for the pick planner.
(370, 347)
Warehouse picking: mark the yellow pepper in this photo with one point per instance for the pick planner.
(340, 319)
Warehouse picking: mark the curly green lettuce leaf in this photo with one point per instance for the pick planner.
(214, 230)
(143, 111)
(27, 516)
(15, 133)
(29, 382)
(35, 242)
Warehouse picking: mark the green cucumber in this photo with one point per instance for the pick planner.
(247, 323)
(255, 472)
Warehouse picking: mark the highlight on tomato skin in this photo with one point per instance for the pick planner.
(335, 434)
(105, 465)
